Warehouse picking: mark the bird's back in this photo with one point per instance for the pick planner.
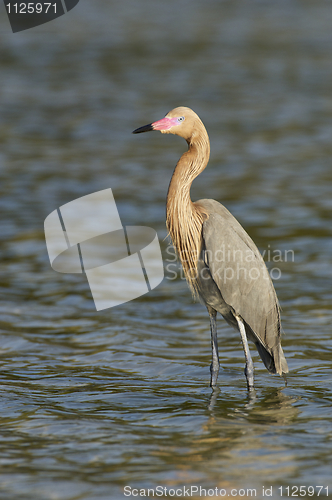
(234, 280)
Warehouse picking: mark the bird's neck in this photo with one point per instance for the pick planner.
(184, 219)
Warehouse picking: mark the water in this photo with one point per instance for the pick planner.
(93, 402)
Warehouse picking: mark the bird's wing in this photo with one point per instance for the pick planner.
(240, 273)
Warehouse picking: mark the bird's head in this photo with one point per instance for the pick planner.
(180, 121)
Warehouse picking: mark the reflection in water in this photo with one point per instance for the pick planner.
(271, 407)
(235, 438)
(274, 407)
(91, 402)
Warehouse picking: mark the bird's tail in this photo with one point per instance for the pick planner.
(275, 362)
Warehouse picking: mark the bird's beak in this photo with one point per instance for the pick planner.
(162, 125)
(145, 128)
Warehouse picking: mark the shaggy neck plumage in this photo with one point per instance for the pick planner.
(184, 219)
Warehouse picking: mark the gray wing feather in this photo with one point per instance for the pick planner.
(240, 273)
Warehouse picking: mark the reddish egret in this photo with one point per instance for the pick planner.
(221, 263)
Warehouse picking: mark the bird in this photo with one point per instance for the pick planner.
(222, 265)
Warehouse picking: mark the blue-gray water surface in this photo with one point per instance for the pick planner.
(93, 402)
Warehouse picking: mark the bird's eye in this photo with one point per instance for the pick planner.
(181, 119)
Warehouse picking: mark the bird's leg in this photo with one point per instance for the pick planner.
(249, 368)
(214, 368)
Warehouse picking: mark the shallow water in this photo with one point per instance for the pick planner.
(94, 401)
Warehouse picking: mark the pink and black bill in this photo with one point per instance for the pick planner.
(162, 125)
